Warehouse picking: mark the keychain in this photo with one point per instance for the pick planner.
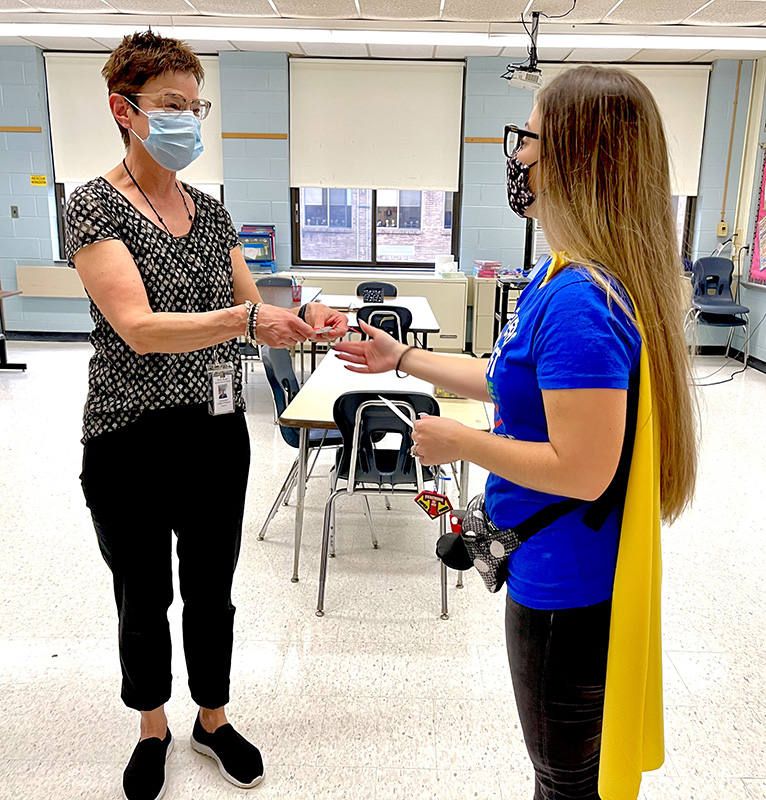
(433, 503)
(221, 388)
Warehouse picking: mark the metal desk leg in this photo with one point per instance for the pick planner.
(442, 566)
(303, 454)
(301, 352)
(462, 502)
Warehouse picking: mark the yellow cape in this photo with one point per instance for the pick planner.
(632, 740)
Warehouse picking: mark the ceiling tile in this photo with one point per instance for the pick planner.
(152, 6)
(730, 12)
(235, 8)
(328, 49)
(732, 55)
(13, 5)
(543, 53)
(68, 43)
(318, 9)
(400, 9)
(583, 13)
(401, 51)
(453, 51)
(652, 12)
(483, 10)
(263, 47)
(591, 55)
(70, 6)
(667, 56)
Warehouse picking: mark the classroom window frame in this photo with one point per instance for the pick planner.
(374, 263)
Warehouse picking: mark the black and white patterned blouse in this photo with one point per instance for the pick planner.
(184, 274)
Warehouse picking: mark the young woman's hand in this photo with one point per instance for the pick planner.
(379, 353)
(439, 440)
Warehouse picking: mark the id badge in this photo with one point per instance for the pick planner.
(221, 378)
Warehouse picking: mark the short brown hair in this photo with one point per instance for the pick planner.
(143, 56)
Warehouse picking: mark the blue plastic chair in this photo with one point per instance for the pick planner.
(278, 364)
(712, 301)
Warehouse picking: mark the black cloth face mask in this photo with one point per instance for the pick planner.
(520, 196)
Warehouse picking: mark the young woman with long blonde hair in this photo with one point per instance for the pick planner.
(591, 385)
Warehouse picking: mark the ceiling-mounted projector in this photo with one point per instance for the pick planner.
(525, 77)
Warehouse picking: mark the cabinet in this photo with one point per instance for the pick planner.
(483, 316)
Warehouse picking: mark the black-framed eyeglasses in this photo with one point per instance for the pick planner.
(175, 103)
(514, 138)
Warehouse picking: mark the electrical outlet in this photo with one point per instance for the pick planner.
(723, 229)
(14, 212)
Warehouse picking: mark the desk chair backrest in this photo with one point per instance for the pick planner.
(278, 364)
(711, 277)
(389, 290)
(272, 281)
(363, 420)
(394, 320)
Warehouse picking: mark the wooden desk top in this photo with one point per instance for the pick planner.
(312, 407)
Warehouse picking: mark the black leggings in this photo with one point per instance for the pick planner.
(174, 470)
(558, 667)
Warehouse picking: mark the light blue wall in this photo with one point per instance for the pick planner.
(256, 172)
(715, 149)
(489, 230)
(754, 298)
(28, 240)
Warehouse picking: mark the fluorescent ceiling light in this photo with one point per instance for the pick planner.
(607, 40)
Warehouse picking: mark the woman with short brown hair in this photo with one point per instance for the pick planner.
(166, 441)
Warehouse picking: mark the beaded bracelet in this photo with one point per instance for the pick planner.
(399, 362)
(252, 322)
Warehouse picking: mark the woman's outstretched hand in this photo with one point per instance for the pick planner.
(379, 353)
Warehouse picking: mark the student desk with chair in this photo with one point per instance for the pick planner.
(423, 319)
(312, 407)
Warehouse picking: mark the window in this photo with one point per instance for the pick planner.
(328, 208)
(398, 209)
(449, 201)
(367, 227)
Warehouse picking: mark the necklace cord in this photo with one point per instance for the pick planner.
(162, 221)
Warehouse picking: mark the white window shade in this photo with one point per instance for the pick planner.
(375, 124)
(681, 94)
(85, 139)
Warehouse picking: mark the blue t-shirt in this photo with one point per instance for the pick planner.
(564, 335)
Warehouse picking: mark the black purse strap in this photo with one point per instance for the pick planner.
(545, 517)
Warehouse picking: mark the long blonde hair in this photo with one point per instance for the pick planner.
(605, 201)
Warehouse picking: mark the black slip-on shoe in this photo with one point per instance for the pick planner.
(144, 777)
(239, 761)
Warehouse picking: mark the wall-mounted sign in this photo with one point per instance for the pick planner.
(38, 180)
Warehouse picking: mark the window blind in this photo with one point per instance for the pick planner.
(681, 94)
(84, 135)
(375, 124)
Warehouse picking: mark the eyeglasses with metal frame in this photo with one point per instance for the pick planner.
(514, 137)
(175, 103)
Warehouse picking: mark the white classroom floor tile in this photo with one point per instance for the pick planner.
(379, 699)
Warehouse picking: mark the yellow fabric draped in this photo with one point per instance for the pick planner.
(632, 739)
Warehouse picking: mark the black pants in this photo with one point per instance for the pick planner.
(558, 667)
(174, 470)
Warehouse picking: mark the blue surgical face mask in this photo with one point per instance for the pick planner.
(174, 140)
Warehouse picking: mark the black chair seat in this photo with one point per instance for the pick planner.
(720, 320)
(716, 305)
